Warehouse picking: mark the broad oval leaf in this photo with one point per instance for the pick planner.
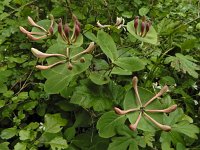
(108, 122)
(107, 45)
(130, 63)
(151, 36)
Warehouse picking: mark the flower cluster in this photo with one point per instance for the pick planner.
(64, 31)
(145, 26)
(35, 36)
(67, 59)
(142, 108)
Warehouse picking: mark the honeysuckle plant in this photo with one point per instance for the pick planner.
(143, 108)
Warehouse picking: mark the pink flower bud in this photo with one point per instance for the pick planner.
(142, 28)
(136, 20)
(77, 30)
(66, 30)
(51, 30)
(60, 26)
(148, 25)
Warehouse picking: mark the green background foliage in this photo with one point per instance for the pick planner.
(60, 109)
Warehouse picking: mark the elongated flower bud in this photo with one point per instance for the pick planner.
(40, 54)
(161, 126)
(66, 30)
(148, 25)
(118, 21)
(135, 81)
(76, 20)
(41, 67)
(143, 18)
(167, 110)
(162, 91)
(36, 38)
(30, 20)
(142, 28)
(77, 30)
(134, 126)
(123, 112)
(136, 20)
(90, 48)
(60, 27)
(51, 30)
(23, 30)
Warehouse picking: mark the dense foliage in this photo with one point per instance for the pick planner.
(91, 75)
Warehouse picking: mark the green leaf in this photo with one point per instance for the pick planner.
(20, 146)
(99, 77)
(91, 36)
(130, 63)
(70, 133)
(185, 64)
(3, 88)
(127, 14)
(4, 146)
(131, 102)
(92, 96)
(123, 143)
(53, 123)
(108, 123)
(8, 133)
(180, 146)
(186, 128)
(58, 143)
(143, 11)
(2, 103)
(107, 45)
(27, 135)
(151, 36)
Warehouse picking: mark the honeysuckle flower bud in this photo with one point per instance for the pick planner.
(90, 48)
(66, 30)
(148, 25)
(70, 66)
(162, 91)
(77, 30)
(40, 54)
(23, 30)
(134, 126)
(123, 112)
(35, 38)
(161, 126)
(167, 110)
(76, 20)
(135, 81)
(41, 67)
(30, 20)
(60, 27)
(82, 59)
(136, 21)
(143, 18)
(142, 28)
(51, 30)
(102, 26)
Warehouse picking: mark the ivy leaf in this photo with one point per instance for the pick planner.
(8, 133)
(107, 45)
(185, 64)
(151, 36)
(58, 143)
(186, 128)
(123, 143)
(53, 123)
(108, 123)
(130, 63)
